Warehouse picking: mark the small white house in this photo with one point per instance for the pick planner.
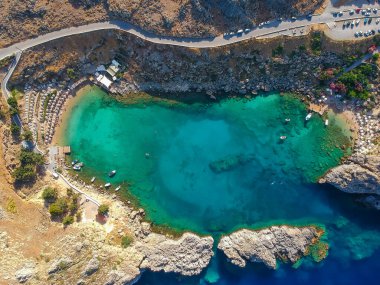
(104, 80)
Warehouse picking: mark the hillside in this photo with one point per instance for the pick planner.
(28, 18)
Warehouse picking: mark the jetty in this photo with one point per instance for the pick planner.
(320, 109)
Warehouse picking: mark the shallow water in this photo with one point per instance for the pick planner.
(213, 169)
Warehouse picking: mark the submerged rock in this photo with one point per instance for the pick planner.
(269, 245)
(360, 175)
(188, 255)
(230, 162)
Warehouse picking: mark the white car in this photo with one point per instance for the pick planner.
(357, 22)
(247, 30)
(377, 21)
(352, 12)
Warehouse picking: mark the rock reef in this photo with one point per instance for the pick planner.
(269, 245)
(360, 175)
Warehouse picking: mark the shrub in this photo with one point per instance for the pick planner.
(376, 56)
(58, 208)
(316, 43)
(15, 130)
(25, 174)
(50, 194)
(126, 241)
(103, 209)
(70, 73)
(68, 220)
(27, 135)
(12, 102)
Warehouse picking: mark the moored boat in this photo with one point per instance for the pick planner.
(287, 120)
(112, 173)
(107, 185)
(117, 188)
(93, 179)
(76, 167)
(308, 116)
(283, 138)
(326, 122)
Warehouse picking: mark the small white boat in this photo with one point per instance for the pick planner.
(112, 173)
(283, 138)
(308, 116)
(326, 122)
(118, 188)
(107, 185)
(93, 179)
(76, 167)
(287, 120)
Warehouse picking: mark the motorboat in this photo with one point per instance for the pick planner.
(75, 161)
(112, 173)
(308, 116)
(93, 179)
(107, 185)
(287, 120)
(326, 122)
(76, 167)
(283, 138)
(118, 188)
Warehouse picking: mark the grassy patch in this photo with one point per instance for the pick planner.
(11, 206)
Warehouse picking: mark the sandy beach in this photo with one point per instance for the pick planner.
(58, 138)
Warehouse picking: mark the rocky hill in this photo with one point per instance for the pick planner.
(28, 18)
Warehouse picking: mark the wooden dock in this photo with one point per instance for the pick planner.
(320, 109)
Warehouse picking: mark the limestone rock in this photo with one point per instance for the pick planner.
(360, 175)
(268, 245)
(120, 277)
(92, 266)
(60, 264)
(25, 273)
(188, 255)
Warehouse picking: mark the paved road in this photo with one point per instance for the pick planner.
(272, 28)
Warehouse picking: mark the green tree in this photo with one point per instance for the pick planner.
(376, 56)
(15, 130)
(25, 174)
(50, 194)
(103, 209)
(70, 73)
(12, 102)
(58, 208)
(27, 135)
(68, 220)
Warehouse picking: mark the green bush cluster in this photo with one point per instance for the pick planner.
(356, 81)
(50, 194)
(103, 209)
(62, 207)
(27, 171)
(316, 43)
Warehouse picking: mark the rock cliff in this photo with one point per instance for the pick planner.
(269, 245)
(187, 256)
(360, 175)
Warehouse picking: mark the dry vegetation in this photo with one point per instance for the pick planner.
(28, 18)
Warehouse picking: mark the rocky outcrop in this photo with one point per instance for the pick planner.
(60, 264)
(188, 255)
(360, 175)
(92, 266)
(26, 272)
(269, 245)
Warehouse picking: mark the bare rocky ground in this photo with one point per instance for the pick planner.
(192, 18)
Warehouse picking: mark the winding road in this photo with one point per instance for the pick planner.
(272, 28)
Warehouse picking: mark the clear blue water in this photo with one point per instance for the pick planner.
(213, 169)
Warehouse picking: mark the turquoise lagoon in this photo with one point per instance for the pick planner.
(215, 168)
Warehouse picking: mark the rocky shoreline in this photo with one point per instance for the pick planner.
(269, 245)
